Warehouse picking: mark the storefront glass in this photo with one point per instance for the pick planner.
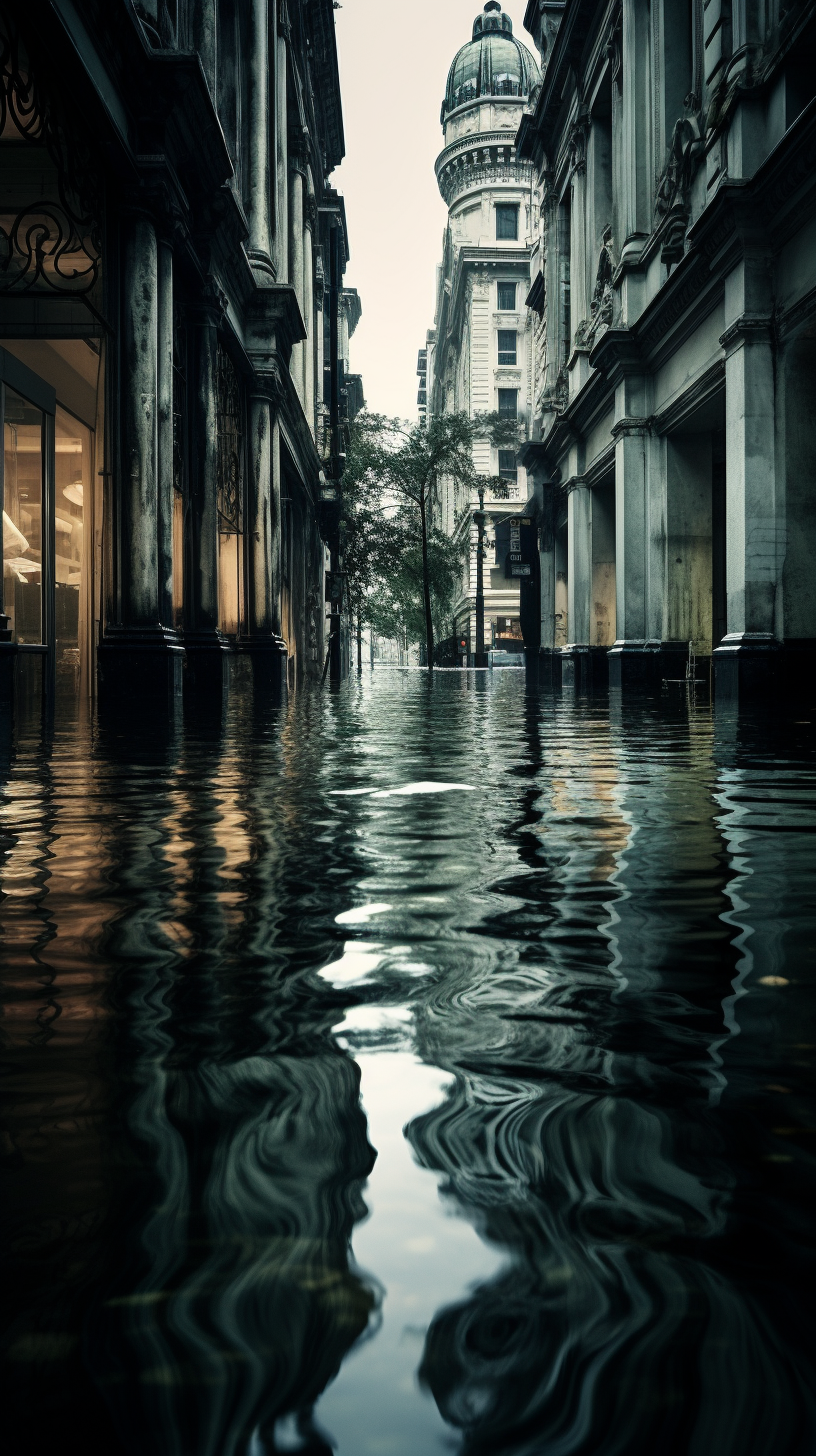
(73, 485)
(23, 518)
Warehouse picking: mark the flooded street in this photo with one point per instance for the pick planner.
(418, 1067)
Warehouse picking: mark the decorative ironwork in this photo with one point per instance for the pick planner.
(54, 242)
(230, 443)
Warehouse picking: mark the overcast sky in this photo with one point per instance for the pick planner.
(394, 61)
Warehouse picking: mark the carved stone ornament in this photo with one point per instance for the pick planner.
(577, 142)
(672, 201)
(229, 414)
(602, 304)
(53, 241)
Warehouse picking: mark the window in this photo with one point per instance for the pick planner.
(23, 534)
(507, 346)
(508, 470)
(507, 222)
(508, 404)
(507, 297)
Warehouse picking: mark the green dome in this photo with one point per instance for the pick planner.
(493, 63)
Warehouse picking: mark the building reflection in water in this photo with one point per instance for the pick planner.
(590, 941)
(637, 1312)
(185, 1136)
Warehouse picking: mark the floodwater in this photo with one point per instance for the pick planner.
(424, 1066)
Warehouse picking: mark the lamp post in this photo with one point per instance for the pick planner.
(480, 656)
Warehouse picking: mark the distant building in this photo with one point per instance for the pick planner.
(422, 385)
(673, 298)
(479, 355)
(174, 335)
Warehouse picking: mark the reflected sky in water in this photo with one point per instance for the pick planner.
(421, 1067)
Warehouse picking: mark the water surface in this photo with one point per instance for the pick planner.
(419, 1067)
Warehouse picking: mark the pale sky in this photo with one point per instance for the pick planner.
(394, 62)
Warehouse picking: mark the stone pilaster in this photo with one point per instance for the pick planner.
(746, 660)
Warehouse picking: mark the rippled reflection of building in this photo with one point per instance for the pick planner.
(583, 1135)
(186, 1148)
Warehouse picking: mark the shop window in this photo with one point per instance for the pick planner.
(73, 484)
(507, 222)
(23, 536)
(508, 346)
(508, 404)
(229, 494)
(52, 499)
(507, 297)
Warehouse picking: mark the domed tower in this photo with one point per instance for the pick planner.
(480, 352)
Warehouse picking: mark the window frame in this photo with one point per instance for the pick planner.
(504, 413)
(504, 210)
(508, 358)
(507, 472)
(36, 392)
(505, 307)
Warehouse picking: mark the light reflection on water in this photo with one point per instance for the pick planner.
(426, 1066)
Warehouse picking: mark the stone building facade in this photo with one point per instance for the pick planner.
(673, 289)
(478, 356)
(173, 340)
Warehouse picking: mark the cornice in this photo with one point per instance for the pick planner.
(633, 425)
(565, 58)
(748, 329)
(616, 355)
(273, 324)
(476, 141)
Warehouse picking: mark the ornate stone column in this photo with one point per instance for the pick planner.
(139, 425)
(309, 313)
(296, 270)
(635, 140)
(165, 430)
(281, 161)
(202, 639)
(576, 666)
(630, 663)
(263, 638)
(261, 123)
(140, 651)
